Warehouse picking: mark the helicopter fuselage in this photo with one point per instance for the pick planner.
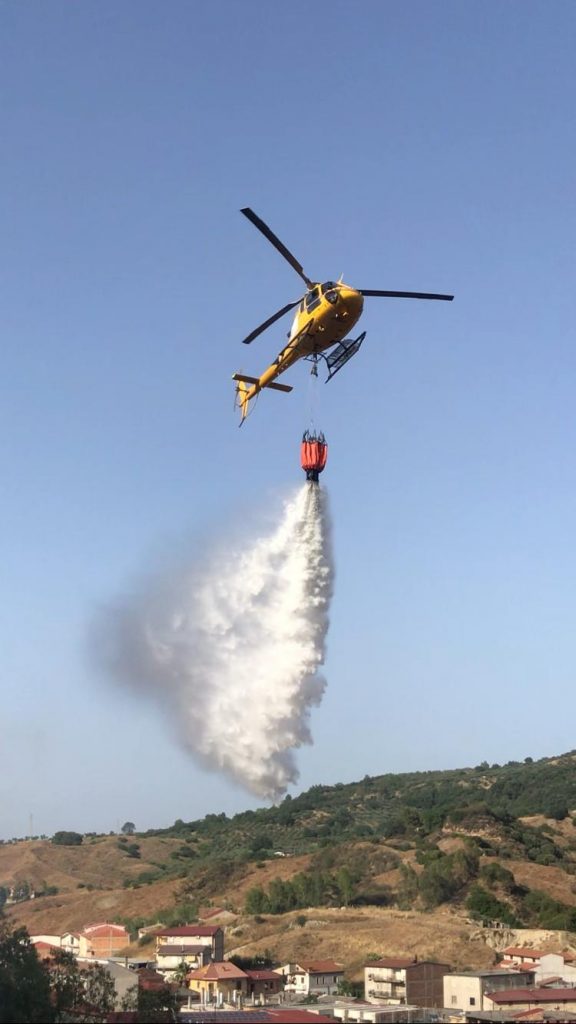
(324, 317)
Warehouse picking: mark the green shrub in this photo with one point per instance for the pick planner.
(485, 907)
(67, 839)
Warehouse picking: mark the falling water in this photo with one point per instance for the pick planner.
(232, 647)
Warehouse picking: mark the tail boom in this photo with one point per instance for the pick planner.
(245, 394)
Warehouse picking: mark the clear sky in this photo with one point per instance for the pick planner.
(420, 145)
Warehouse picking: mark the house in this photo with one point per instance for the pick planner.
(171, 955)
(425, 983)
(312, 977)
(533, 998)
(263, 984)
(555, 966)
(209, 936)
(102, 940)
(46, 939)
(521, 956)
(44, 950)
(150, 980)
(385, 979)
(467, 990)
(520, 1017)
(218, 982)
(123, 977)
(70, 942)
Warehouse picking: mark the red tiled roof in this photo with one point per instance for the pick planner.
(149, 974)
(92, 930)
(218, 971)
(263, 975)
(535, 954)
(513, 965)
(395, 962)
(45, 949)
(533, 995)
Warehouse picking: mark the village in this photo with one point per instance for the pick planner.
(525, 984)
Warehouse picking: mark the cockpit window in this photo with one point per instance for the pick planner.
(313, 299)
(327, 287)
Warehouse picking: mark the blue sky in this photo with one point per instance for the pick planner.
(422, 146)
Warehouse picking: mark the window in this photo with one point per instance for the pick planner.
(312, 299)
(472, 1001)
(453, 1000)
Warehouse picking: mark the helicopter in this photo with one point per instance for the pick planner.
(325, 315)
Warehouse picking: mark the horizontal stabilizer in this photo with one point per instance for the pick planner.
(279, 387)
(244, 378)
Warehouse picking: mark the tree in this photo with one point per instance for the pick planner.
(152, 1006)
(80, 995)
(67, 839)
(128, 828)
(24, 981)
(260, 843)
(257, 901)
(21, 890)
(181, 972)
(345, 884)
(350, 988)
(484, 906)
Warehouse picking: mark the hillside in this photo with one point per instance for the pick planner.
(392, 864)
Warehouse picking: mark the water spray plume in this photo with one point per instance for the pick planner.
(232, 648)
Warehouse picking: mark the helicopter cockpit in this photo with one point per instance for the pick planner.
(313, 298)
(330, 291)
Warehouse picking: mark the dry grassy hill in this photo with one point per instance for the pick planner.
(371, 865)
(350, 935)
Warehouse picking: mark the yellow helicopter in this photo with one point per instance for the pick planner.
(325, 315)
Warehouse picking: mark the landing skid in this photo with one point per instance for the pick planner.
(338, 357)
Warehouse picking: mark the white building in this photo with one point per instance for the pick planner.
(312, 977)
(385, 979)
(70, 942)
(211, 937)
(555, 966)
(467, 991)
(49, 940)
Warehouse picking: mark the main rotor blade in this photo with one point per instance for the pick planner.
(268, 323)
(258, 223)
(405, 295)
